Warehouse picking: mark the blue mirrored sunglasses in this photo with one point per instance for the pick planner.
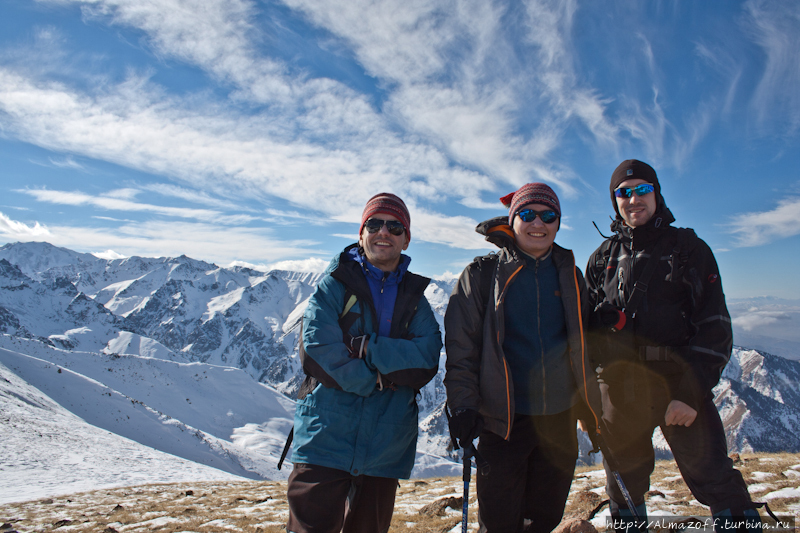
(529, 215)
(640, 190)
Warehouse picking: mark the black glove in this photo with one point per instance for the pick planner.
(465, 425)
(610, 316)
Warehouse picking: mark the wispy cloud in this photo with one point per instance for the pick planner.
(162, 137)
(756, 229)
(191, 195)
(14, 230)
(775, 27)
(113, 203)
(66, 162)
(211, 242)
(758, 318)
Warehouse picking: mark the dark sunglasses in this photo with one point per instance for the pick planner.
(529, 215)
(640, 190)
(394, 227)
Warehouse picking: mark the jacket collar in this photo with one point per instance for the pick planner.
(651, 231)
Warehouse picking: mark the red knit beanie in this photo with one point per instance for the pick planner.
(389, 204)
(531, 193)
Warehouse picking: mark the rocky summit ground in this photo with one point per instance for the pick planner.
(430, 505)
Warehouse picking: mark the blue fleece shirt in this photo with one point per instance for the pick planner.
(535, 342)
(383, 286)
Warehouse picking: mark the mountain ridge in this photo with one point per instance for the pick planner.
(95, 317)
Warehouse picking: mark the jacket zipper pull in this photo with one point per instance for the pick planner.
(383, 281)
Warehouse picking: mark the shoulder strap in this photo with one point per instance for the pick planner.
(684, 244)
(348, 317)
(640, 287)
(488, 265)
(603, 255)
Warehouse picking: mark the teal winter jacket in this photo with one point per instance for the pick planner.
(348, 422)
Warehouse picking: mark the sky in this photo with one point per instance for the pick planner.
(253, 131)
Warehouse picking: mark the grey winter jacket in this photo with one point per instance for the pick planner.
(477, 371)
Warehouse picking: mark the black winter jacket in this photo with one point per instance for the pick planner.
(683, 311)
(477, 372)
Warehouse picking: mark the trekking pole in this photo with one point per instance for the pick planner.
(469, 451)
(600, 445)
(483, 468)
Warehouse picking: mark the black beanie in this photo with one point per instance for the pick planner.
(633, 169)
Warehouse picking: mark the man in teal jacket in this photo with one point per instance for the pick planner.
(370, 342)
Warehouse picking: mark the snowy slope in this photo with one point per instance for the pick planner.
(45, 450)
(137, 412)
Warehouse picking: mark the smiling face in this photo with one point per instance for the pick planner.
(535, 238)
(636, 210)
(382, 249)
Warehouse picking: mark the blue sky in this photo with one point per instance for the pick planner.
(254, 131)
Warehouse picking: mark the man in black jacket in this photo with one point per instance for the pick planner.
(661, 335)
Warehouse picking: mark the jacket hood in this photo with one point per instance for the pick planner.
(497, 231)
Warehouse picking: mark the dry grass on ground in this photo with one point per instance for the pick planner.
(250, 506)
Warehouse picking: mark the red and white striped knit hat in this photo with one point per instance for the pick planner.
(389, 204)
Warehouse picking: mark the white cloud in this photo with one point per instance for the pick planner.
(218, 152)
(14, 230)
(117, 201)
(109, 254)
(191, 195)
(313, 264)
(456, 231)
(756, 229)
(222, 245)
(66, 162)
(452, 81)
(756, 318)
(775, 27)
(456, 78)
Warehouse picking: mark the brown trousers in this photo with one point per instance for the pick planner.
(327, 500)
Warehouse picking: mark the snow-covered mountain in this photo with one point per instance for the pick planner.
(200, 361)
(173, 354)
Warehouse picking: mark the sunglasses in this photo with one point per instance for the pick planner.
(529, 215)
(394, 227)
(640, 190)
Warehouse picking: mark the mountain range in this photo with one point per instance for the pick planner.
(200, 361)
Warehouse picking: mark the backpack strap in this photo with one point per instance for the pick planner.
(488, 268)
(684, 244)
(602, 258)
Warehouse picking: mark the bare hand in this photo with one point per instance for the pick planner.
(583, 426)
(679, 414)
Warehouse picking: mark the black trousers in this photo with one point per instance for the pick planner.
(632, 411)
(327, 500)
(530, 474)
